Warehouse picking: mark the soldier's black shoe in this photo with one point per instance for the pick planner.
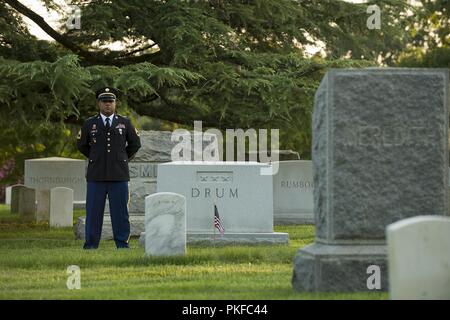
(89, 247)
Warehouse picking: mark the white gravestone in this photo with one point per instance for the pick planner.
(293, 188)
(61, 207)
(244, 198)
(8, 195)
(419, 258)
(165, 224)
(42, 205)
(48, 173)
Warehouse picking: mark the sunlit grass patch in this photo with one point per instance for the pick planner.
(34, 260)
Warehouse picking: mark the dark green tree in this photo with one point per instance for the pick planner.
(430, 36)
(231, 64)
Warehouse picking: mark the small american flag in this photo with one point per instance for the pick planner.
(217, 222)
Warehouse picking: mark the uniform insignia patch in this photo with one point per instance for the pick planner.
(79, 135)
(137, 132)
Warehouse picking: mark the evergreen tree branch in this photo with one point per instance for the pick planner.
(91, 57)
(170, 111)
(138, 50)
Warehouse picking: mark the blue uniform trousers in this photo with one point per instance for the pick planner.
(117, 192)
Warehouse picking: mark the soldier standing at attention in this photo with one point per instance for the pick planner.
(109, 141)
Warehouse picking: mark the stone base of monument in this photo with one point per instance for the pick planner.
(79, 205)
(293, 218)
(340, 268)
(137, 226)
(205, 238)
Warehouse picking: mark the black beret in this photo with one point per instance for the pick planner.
(106, 93)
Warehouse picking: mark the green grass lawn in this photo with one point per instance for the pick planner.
(34, 260)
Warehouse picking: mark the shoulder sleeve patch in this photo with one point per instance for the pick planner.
(79, 135)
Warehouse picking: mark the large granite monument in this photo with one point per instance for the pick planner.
(243, 196)
(48, 173)
(380, 154)
(293, 193)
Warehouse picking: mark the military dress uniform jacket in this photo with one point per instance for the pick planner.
(110, 150)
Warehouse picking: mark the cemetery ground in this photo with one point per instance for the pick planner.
(34, 260)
